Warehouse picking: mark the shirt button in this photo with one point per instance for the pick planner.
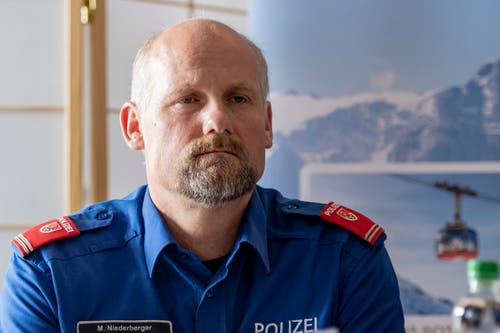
(102, 216)
(210, 293)
(292, 206)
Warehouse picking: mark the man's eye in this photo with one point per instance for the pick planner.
(187, 100)
(238, 99)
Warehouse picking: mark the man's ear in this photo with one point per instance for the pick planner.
(269, 125)
(130, 124)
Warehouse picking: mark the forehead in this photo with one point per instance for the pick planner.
(206, 55)
(203, 36)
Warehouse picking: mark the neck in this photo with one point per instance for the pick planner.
(207, 232)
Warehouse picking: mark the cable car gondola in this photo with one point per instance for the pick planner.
(456, 240)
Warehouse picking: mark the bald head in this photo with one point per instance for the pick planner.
(192, 41)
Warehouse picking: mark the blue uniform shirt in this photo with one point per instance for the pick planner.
(289, 271)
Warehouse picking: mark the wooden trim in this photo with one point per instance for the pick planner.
(34, 108)
(98, 187)
(73, 110)
(212, 8)
(13, 227)
(191, 8)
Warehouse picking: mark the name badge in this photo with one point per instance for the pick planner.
(125, 326)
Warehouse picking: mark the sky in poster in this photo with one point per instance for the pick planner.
(338, 48)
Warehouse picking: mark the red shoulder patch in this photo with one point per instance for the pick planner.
(352, 221)
(44, 233)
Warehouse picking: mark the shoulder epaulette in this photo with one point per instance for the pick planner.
(352, 221)
(44, 233)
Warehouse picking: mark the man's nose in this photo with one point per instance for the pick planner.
(217, 118)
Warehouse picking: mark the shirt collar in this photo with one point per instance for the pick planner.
(254, 229)
(157, 236)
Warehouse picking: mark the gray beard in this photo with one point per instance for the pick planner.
(214, 181)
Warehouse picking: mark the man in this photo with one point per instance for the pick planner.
(201, 248)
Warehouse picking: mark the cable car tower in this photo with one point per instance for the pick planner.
(456, 239)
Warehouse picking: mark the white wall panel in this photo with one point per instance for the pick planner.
(32, 57)
(236, 4)
(237, 22)
(129, 23)
(32, 170)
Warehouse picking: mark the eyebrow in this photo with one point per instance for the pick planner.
(232, 87)
(243, 86)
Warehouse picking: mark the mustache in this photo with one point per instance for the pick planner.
(216, 142)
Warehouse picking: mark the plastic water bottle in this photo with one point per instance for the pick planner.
(479, 312)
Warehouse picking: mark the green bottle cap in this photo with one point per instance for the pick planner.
(482, 269)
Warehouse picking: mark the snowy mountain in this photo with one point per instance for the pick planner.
(350, 134)
(417, 302)
(460, 123)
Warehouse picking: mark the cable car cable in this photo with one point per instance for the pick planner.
(478, 196)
